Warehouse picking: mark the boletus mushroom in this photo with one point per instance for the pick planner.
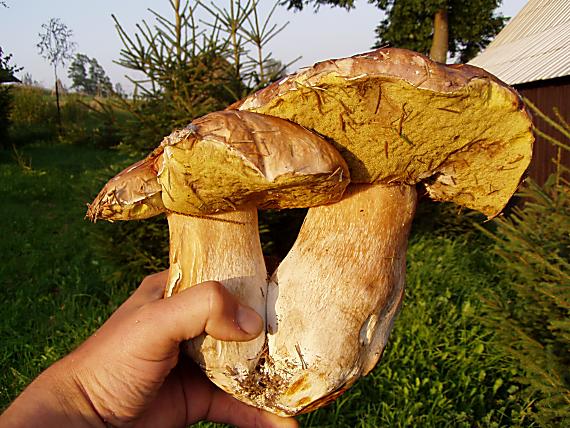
(398, 120)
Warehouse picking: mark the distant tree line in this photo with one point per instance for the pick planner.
(89, 77)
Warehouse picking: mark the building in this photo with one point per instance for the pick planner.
(532, 53)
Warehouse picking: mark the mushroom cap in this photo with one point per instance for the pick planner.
(223, 161)
(398, 117)
(133, 194)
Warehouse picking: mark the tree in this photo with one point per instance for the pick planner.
(89, 77)
(435, 27)
(193, 66)
(99, 80)
(28, 80)
(119, 91)
(7, 72)
(462, 28)
(77, 72)
(56, 47)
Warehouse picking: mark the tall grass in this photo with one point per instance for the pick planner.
(53, 287)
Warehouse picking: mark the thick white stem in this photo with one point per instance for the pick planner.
(226, 248)
(332, 301)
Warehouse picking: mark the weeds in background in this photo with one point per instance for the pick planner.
(86, 120)
(24, 162)
(531, 311)
(33, 116)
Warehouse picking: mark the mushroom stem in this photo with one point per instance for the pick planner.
(220, 247)
(332, 301)
(329, 306)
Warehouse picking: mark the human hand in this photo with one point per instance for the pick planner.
(130, 372)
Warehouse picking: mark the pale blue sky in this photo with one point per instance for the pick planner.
(331, 33)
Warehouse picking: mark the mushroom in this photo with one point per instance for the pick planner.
(210, 178)
(399, 120)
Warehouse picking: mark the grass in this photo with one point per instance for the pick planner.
(440, 367)
(52, 281)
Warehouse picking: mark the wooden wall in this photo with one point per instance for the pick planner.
(547, 94)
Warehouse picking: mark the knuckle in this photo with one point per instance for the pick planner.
(217, 297)
(155, 279)
(215, 290)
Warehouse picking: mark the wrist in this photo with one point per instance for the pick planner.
(53, 399)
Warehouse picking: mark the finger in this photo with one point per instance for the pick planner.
(226, 409)
(151, 289)
(206, 307)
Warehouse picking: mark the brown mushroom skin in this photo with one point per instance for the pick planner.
(133, 194)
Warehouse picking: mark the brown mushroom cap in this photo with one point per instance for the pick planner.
(398, 117)
(223, 161)
(133, 194)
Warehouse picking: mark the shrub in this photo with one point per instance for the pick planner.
(33, 115)
(5, 107)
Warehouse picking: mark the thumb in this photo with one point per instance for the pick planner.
(206, 307)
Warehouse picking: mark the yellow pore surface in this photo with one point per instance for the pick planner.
(471, 146)
(208, 178)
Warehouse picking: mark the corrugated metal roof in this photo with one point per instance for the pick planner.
(534, 45)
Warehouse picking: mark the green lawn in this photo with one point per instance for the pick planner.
(52, 280)
(58, 284)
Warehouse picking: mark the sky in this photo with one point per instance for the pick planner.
(330, 33)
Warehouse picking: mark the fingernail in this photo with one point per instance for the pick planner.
(248, 320)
